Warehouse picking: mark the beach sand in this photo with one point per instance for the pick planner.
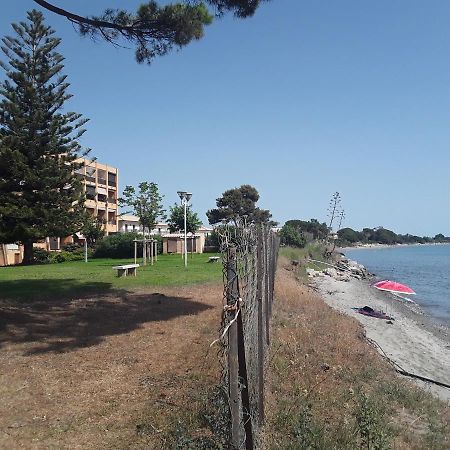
(413, 340)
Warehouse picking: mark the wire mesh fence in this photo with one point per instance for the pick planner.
(249, 262)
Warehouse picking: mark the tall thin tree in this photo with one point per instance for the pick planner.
(39, 193)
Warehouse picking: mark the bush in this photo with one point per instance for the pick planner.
(292, 236)
(64, 256)
(118, 245)
(41, 256)
(71, 247)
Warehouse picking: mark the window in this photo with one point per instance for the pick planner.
(90, 192)
(90, 174)
(111, 197)
(101, 176)
(112, 179)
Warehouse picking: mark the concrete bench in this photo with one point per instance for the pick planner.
(127, 269)
(212, 259)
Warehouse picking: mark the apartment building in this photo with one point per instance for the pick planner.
(129, 223)
(101, 187)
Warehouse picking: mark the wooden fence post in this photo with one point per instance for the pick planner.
(266, 284)
(260, 329)
(233, 361)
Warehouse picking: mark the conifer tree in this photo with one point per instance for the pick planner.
(39, 193)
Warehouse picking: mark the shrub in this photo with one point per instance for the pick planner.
(64, 256)
(119, 245)
(41, 256)
(71, 247)
(292, 236)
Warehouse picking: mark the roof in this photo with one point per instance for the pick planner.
(129, 218)
(178, 235)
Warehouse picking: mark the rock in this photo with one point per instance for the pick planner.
(331, 272)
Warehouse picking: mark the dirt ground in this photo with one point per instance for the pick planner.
(105, 372)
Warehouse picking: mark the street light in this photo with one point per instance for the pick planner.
(185, 197)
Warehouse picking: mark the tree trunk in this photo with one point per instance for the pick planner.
(27, 252)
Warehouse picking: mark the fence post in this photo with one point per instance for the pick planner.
(266, 283)
(246, 408)
(233, 361)
(260, 330)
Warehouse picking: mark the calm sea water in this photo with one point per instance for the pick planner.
(424, 268)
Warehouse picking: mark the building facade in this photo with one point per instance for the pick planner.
(101, 187)
(129, 224)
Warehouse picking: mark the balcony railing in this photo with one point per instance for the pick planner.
(102, 181)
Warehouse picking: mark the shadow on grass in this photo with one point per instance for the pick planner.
(65, 324)
(54, 290)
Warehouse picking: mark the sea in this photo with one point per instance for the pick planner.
(424, 268)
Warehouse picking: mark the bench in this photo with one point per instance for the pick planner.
(127, 269)
(212, 259)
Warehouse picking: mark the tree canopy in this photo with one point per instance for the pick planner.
(93, 229)
(310, 230)
(239, 204)
(176, 219)
(39, 193)
(153, 29)
(145, 204)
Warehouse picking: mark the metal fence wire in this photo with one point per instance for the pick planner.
(249, 263)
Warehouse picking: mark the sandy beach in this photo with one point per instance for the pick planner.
(413, 340)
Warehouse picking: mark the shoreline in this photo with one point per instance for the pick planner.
(413, 341)
(381, 246)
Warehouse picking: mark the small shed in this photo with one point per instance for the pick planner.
(174, 243)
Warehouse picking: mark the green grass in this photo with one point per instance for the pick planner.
(312, 250)
(77, 278)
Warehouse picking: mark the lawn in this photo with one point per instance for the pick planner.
(77, 278)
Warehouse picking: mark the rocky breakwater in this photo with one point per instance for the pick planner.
(341, 270)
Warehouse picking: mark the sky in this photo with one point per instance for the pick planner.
(304, 99)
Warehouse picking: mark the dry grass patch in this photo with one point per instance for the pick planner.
(329, 389)
(131, 371)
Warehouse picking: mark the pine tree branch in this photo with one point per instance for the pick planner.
(82, 20)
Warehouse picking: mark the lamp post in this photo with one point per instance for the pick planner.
(185, 197)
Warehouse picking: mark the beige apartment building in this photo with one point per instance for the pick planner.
(101, 187)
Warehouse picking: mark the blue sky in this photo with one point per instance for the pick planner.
(304, 99)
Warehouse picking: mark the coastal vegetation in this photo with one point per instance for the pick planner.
(380, 235)
(298, 233)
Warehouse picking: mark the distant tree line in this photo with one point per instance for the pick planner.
(380, 235)
(297, 233)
